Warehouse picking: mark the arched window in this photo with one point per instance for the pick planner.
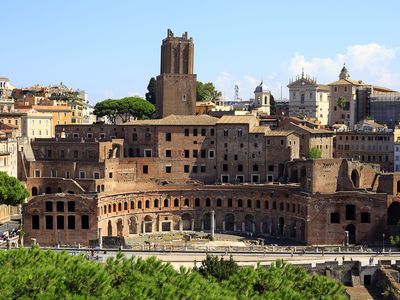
(109, 208)
(258, 204)
(240, 203)
(186, 202)
(176, 202)
(105, 209)
(165, 202)
(197, 202)
(266, 204)
(240, 168)
(155, 202)
(208, 202)
(249, 203)
(119, 206)
(114, 207)
(139, 205)
(147, 203)
(132, 204)
(125, 205)
(34, 191)
(219, 202)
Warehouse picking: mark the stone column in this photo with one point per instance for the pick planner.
(202, 225)
(100, 238)
(192, 226)
(223, 225)
(212, 224)
(254, 227)
(180, 225)
(243, 227)
(143, 227)
(262, 227)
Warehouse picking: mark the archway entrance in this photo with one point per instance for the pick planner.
(133, 225)
(207, 221)
(120, 227)
(355, 178)
(351, 229)
(148, 224)
(248, 223)
(186, 222)
(281, 226)
(394, 213)
(34, 191)
(229, 222)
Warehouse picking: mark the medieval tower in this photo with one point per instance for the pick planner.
(176, 84)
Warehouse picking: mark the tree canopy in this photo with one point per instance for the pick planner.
(152, 90)
(314, 153)
(126, 108)
(206, 91)
(12, 192)
(38, 274)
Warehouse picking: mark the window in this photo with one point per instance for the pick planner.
(266, 204)
(110, 175)
(60, 222)
(147, 153)
(139, 205)
(186, 168)
(225, 156)
(335, 218)
(186, 203)
(37, 173)
(134, 137)
(168, 169)
(240, 132)
(82, 174)
(85, 222)
(258, 204)
(71, 222)
(49, 222)
(365, 217)
(195, 153)
(212, 131)
(49, 206)
(35, 222)
(96, 175)
(168, 153)
(176, 203)
(240, 203)
(203, 168)
(60, 206)
(195, 132)
(271, 168)
(226, 132)
(168, 137)
(240, 168)
(203, 153)
(197, 202)
(186, 131)
(350, 212)
(249, 203)
(194, 169)
(229, 202)
(147, 204)
(71, 206)
(75, 153)
(203, 132)
(225, 167)
(165, 202)
(62, 153)
(255, 168)
(211, 154)
(219, 202)
(49, 153)
(208, 202)
(187, 153)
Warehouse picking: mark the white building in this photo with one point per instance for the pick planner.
(307, 98)
(36, 124)
(396, 167)
(6, 102)
(8, 155)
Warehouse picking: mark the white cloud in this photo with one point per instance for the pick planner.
(372, 63)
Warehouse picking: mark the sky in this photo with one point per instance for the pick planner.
(112, 48)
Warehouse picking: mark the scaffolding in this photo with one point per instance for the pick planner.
(385, 108)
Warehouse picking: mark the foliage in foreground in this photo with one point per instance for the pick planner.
(314, 153)
(38, 274)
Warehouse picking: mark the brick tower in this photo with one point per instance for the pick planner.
(176, 84)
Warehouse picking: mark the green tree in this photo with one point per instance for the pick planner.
(341, 101)
(152, 90)
(12, 192)
(219, 268)
(125, 108)
(314, 153)
(206, 91)
(272, 104)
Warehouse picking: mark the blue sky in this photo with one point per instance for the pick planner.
(112, 48)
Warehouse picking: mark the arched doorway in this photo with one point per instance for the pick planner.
(133, 225)
(109, 228)
(355, 178)
(186, 222)
(148, 224)
(120, 227)
(230, 222)
(351, 229)
(394, 213)
(34, 191)
(248, 223)
(207, 221)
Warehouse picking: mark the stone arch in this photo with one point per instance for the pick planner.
(249, 223)
(355, 178)
(48, 190)
(109, 208)
(109, 228)
(166, 204)
(206, 221)
(34, 191)
(186, 221)
(116, 151)
(186, 202)
(155, 202)
(148, 224)
(393, 213)
(176, 202)
(133, 225)
(120, 227)
(147, 204)
(230, 222)
(59, 190)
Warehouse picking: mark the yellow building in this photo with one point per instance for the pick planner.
(62, 115)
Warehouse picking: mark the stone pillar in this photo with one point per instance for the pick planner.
(234, 226)
(180, 225)
(223, 225)
(143, 227)
(202, 225)
(243, 227)
(262, 227)
(192, 226)
(100, 238)
(212, 224)
(254, 227)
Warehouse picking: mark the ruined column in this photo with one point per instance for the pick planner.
(212, 224)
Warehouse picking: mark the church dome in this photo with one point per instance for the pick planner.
(261, 88)
(344, 73)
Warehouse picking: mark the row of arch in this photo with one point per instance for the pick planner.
(35, 191)
(119, 206)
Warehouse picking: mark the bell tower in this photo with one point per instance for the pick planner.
(176, 84)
